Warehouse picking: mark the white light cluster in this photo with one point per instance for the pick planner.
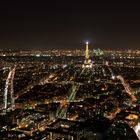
(137, 130)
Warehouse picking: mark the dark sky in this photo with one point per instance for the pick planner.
(63, 24)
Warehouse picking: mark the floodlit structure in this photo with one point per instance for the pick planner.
(87, 62)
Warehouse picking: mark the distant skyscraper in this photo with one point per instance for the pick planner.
(87, 62)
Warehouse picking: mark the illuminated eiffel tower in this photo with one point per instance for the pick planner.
(87, 62)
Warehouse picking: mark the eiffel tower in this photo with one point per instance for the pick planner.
(87, 62)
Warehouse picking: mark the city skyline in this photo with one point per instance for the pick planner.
(60, 97)
(67, 25)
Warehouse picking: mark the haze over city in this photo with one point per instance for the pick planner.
(68, 24)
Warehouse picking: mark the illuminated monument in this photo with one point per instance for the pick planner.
(87, 62)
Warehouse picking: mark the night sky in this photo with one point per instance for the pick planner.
(66, 25)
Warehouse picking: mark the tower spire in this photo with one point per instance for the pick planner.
(87, 51)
